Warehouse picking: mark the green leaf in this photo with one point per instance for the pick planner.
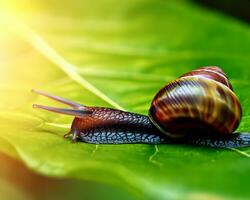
(118, 54)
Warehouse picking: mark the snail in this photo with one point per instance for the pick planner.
(198, 108)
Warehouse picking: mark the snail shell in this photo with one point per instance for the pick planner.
(199, 102)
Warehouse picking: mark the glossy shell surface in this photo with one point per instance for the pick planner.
(199, 102)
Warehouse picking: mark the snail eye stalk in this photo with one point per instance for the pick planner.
(59, 99)
(74, 112)
(77, 110)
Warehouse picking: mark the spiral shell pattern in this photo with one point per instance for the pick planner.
(201, 102)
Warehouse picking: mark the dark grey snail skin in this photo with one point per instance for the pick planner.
(98, 125)
(127, 128)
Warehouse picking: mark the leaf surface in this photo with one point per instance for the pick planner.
(118, 55)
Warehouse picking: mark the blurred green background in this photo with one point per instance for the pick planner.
(165, 28)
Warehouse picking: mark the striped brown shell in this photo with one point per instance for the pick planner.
(199, 102)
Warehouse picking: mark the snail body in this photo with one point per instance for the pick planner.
(198, 108)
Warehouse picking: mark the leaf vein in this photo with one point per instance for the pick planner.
(240, 152)
(152, 157)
